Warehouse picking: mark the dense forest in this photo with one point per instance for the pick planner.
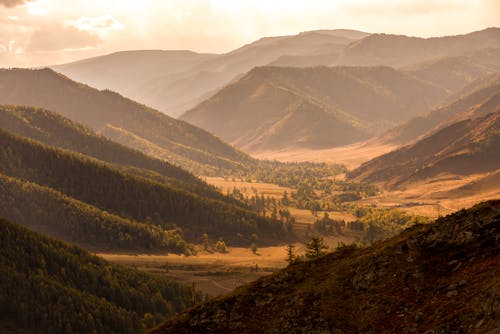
(55, 130)
(59, 288)
(96, 183)
(48, 211)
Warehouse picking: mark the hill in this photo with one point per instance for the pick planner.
(275, 108)
(120, 119)
(57, 288)
(399, 50)
(455, 73)
(174, 88)
(463, 148)
(131, 197)
(441, 277)
(474, 100)
(55, 130)
(126, 71)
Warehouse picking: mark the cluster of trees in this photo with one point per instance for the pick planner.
(372, 223)
(131, 197)
(381, 223)
(59, 288)
(295, 174)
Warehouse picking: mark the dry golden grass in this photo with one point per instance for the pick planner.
(212, 273)
(441, 195)
(248, 188)
(351, 155)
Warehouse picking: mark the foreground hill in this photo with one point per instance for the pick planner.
(120, 119)
(55, 130)
(467, 147)
(50, 287)
(398, 50)
(60, 177)
(439, 278)
(176, 87)
(274, 108)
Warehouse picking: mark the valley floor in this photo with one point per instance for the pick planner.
(216, 273)
(350, 155)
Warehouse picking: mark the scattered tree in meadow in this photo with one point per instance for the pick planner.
(220, 246)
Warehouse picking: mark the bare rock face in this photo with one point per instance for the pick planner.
(438, 278)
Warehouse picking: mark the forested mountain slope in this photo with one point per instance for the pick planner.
(53, 287)
(120, 119)
(441, 278)
(135, 198)
(56, 130)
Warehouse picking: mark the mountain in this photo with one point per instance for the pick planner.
(463, 148)
(126, 71)
(174, 88)
(48, 286)
(455, 73)
(55, 130)
(275, 108)
(168, 213)
(441, 278)
(399, 50)
(121, 120)
(476, 99)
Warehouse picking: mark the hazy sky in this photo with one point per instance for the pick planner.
(41, 32)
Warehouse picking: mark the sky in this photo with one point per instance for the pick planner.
(47, 32)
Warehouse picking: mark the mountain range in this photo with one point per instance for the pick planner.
(178, 88)
(275, 108)
(176, 92)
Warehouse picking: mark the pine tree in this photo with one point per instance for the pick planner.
(290, 254)
(316, 247)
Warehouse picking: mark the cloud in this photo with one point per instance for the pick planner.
(67, 37)
(12, 3)
(99, 23)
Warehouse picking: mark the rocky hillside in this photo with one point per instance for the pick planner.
(274, 107)
(462, 148)
(438, 278)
